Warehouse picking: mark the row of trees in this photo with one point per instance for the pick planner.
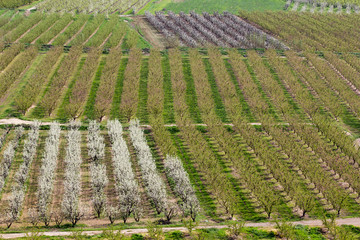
(78, 94)
(344, 68)
(183, 188)
(267, 196)
(9, 54)
(29, 23)
(310, 135)
(99, 180)
(105, 93)
(14, 3)
(129, 96)
(221, 30)
(4, 136)
(49, 101)
(37, 30)
(28, 95)
(154, 185)
(19, 187)
(94, 6)
(47, 36)
(10, 22)
(47, 174)
(103, 33)
(12, 73)
(90, 27)
(248, 86)
(72, 184)
(127, 189)
(71, 30)
(336, 83)
(8, 156)
(306, 31)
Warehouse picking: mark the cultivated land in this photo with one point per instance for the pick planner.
(147, 120)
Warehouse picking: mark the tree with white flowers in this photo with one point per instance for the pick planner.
(175, 171)
(70, 204)
(8, 156)
(19, 187)
(126, 186)
(99, 180)
(47, 172)
(154, 185)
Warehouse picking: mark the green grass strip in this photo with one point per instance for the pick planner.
(245, 209)
(206, 202)
(245, 106)
(219, 105)
(115, 107)
(142, 113)
(191, 98)
(291, 101)
(89, 108)
(61, 113)
(272, 110)
(169, 116)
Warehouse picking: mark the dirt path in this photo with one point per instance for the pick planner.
(310, 223)
(149, 32)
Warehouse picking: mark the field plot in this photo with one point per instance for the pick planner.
(212, 6)
(67, 29)
(225, 30)
(14, 3)
(323, 7)
(193, 150)
(90, 6)
(312, 32)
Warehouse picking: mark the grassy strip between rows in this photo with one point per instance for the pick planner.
(115, 107)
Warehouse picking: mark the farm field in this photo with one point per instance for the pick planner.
(304, 106)
(211, 6)
(323, 7)
(65, 29)
(242, 124)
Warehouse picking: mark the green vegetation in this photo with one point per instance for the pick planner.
(232, 6)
